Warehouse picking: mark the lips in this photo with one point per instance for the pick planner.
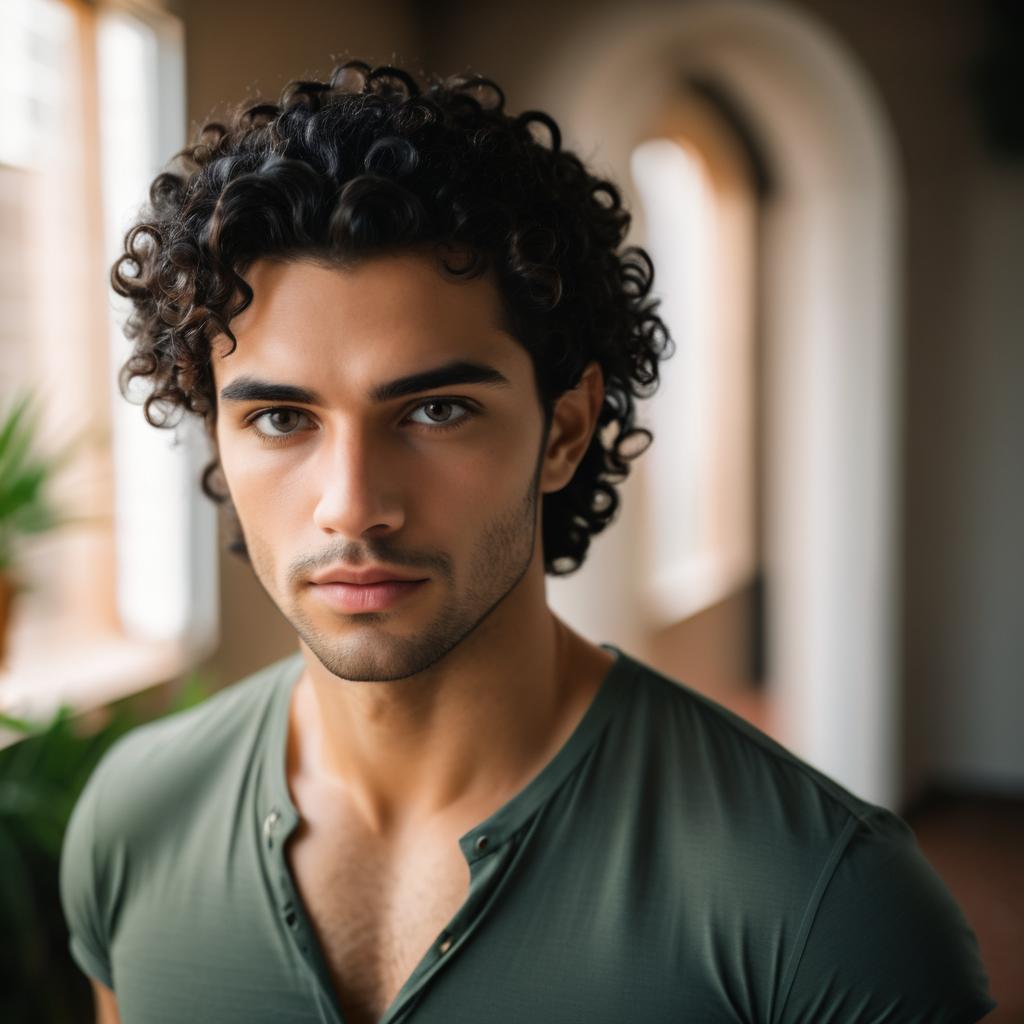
(366, 597)
(363, 577)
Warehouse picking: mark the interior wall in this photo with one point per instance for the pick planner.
(257, 46)
(977, 650)
(712, 649)
(963, 558)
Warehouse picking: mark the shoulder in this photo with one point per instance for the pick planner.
(741, 772)
(884, 939)
(142, 787)
(864, 927)
(163, 761)
(157, 771)
(760, 826)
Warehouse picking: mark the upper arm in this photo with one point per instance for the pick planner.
(106, 1004)
(887, 941)
(82, 895)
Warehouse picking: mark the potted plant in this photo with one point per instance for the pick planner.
(24, 505)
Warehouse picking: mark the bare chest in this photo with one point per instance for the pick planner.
(375, 910)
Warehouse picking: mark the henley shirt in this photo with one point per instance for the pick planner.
(671, 863)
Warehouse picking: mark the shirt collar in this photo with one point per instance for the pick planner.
(279, 814)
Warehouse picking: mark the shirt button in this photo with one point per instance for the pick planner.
(268, 826)
(445, 946)
(482, 842)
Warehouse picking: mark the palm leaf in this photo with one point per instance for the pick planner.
(24, 508)
(15, 439)
(11, 423)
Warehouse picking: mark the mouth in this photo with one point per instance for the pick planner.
(366, 597)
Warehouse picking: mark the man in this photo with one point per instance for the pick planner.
(407, 325)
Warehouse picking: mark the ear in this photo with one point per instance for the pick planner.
(573, 421)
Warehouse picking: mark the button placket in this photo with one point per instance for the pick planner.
(287, 907)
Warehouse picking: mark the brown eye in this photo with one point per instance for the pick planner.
(278, 420)
(438, 413)
(436, 410)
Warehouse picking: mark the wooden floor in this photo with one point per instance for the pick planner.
(976, 844)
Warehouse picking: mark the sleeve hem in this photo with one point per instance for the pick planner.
(90, 963)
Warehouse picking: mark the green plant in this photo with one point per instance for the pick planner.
(41, 777)
(24, 505)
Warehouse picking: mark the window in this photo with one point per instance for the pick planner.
(126, 597)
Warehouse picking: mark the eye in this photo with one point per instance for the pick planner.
(272, 415)
(437, 413)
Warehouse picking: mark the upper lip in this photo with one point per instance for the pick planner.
(363, 577)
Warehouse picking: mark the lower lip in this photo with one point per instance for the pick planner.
(369, 597)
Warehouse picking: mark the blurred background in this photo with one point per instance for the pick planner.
(825, 535)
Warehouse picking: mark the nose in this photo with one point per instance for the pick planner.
(358, 489)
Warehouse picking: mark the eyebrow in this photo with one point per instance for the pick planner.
(247, 388)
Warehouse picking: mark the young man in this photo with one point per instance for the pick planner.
(407, 325)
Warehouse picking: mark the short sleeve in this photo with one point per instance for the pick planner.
(886, 943)
(81, 891)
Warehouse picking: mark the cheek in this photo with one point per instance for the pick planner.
(469, 483)
(262, 490)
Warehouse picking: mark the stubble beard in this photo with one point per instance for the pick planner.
(499, 561)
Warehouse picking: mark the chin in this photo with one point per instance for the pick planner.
(376, 657)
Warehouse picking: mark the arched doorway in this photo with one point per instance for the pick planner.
(831, 243)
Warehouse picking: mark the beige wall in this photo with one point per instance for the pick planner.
(257, 46)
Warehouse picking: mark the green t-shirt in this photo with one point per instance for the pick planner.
(670, 863)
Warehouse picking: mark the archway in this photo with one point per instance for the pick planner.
(831, 317)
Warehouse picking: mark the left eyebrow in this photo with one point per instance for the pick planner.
(457, 372)
(247, 388)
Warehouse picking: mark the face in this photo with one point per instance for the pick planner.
(380, 417)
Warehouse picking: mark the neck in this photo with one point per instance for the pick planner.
(465, 734)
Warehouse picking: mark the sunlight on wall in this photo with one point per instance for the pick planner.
(48, 318)
(674, 190)
(35, 33)
(700, 545)
(156, 469)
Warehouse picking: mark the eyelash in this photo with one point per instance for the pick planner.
(271, 439)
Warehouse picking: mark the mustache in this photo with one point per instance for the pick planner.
(355, 556)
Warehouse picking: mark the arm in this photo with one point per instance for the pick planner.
(83, 900)
(106, 1004)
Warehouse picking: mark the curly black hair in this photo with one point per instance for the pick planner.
(370, 163)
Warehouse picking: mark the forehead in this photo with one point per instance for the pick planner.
(381, 315)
